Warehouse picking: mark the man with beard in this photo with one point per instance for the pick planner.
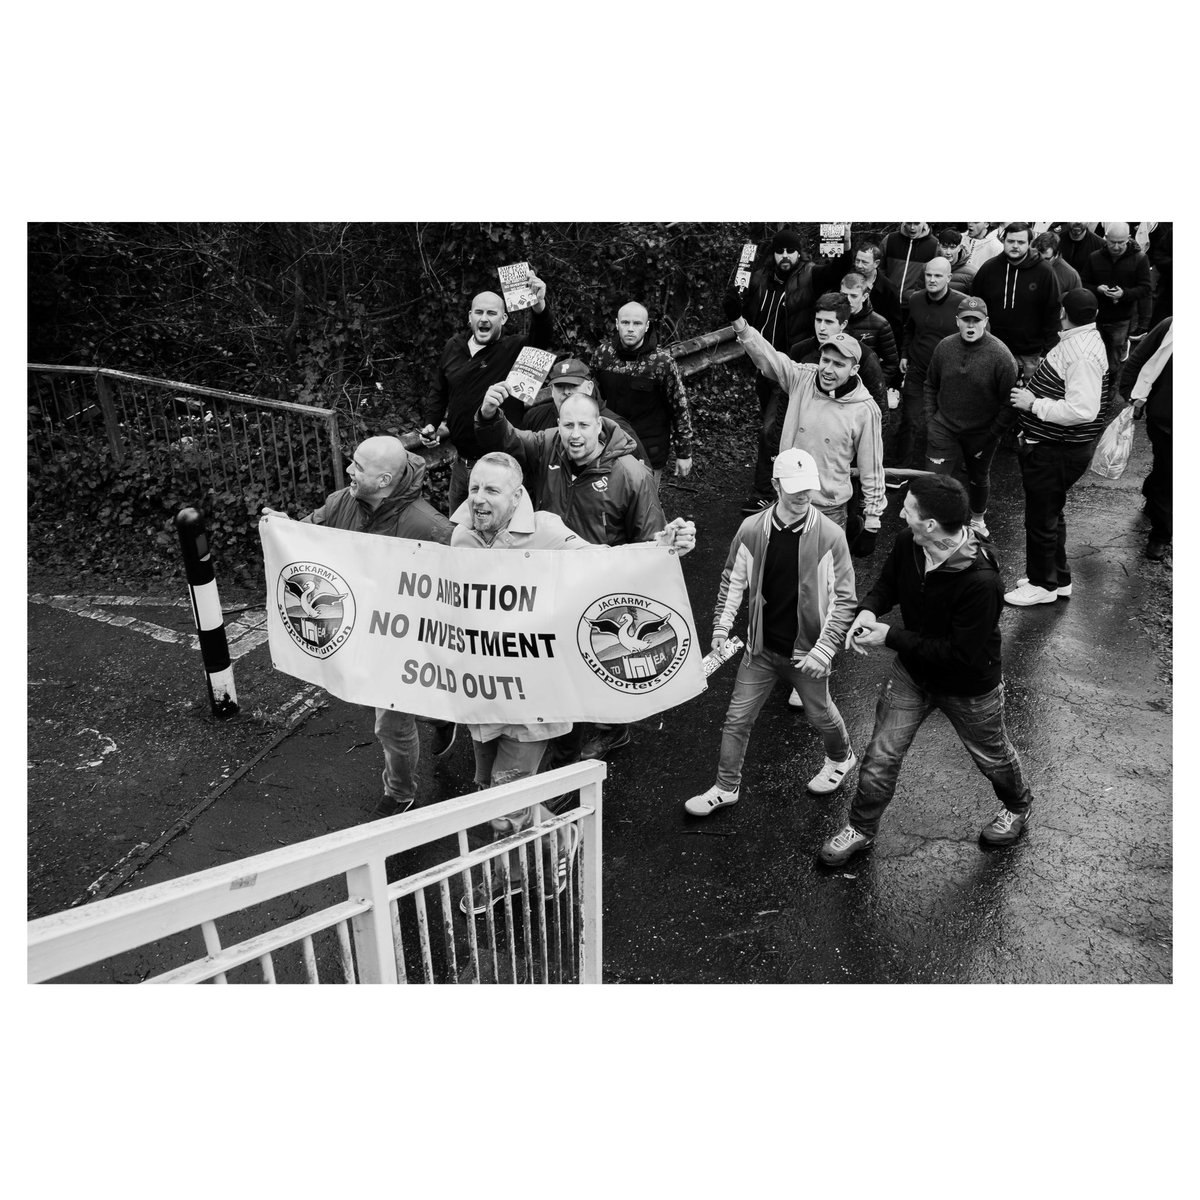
(498, 515)
(779, 304)
(471, 362)
(384, 497)
(641, 382)
(1076, 243)
(1022, 298)
(967, 386)
(1119, 277)
(932, 315)
(585, 473)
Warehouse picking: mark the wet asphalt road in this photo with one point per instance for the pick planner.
(739, 897)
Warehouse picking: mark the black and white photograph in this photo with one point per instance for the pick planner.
(811, 742)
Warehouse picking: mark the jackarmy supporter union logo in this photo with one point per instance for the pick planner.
(633, 643)
(317, 607)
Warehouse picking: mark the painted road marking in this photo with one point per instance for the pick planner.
(247, 632)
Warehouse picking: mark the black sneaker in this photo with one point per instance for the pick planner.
(444, 734)
(1004, 828)
(389, 806)
(604, 740)
(757, 504)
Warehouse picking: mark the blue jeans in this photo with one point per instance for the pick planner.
(504, 760)
(902, 708)
(397, 734)
(756, 677)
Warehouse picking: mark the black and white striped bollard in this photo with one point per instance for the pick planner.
(206, 608)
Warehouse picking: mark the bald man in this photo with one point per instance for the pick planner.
(1022, 296)
(641, 383)
(1118, 275)
(471, 362)
(932, 315)
(384, 497)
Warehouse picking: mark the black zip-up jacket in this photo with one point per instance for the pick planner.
(462, 380)
(799, 298)
(950, 643)
(1131, 271)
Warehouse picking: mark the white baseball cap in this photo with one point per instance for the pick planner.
(796, 471)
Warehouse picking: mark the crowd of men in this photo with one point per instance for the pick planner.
(901, 364)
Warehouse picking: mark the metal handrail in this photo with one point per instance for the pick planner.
(68, 941)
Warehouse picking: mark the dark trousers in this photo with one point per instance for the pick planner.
(460, 482)
(968, 453)
(904, 445)
(1048, 471)
(1157, 486)
(769, 399)
(902, 708)
(1116, 342)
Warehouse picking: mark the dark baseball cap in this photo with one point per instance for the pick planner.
(1080, 306)
(569, 370)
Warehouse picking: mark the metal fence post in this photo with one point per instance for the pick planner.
(111, 425)
(372, 929)
(335, 448)
(206, 609)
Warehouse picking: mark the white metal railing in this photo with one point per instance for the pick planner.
(519, 941)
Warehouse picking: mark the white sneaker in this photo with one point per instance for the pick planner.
(1062, 591)
(978, 526)
(710, 801)
(831, 776)
(1028, 594)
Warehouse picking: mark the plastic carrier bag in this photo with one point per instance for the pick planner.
(1112, 450)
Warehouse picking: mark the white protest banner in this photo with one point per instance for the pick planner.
(481, 636)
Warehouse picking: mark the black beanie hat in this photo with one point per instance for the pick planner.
(786, 239)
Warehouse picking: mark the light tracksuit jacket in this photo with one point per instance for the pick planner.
(825, 600)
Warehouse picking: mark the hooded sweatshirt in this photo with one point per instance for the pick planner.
(978, 251)
(834, 429)
(611, 502)
(904, 258)
(402, 513)
(950, 643)
(643, 385)
(1022, 300)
